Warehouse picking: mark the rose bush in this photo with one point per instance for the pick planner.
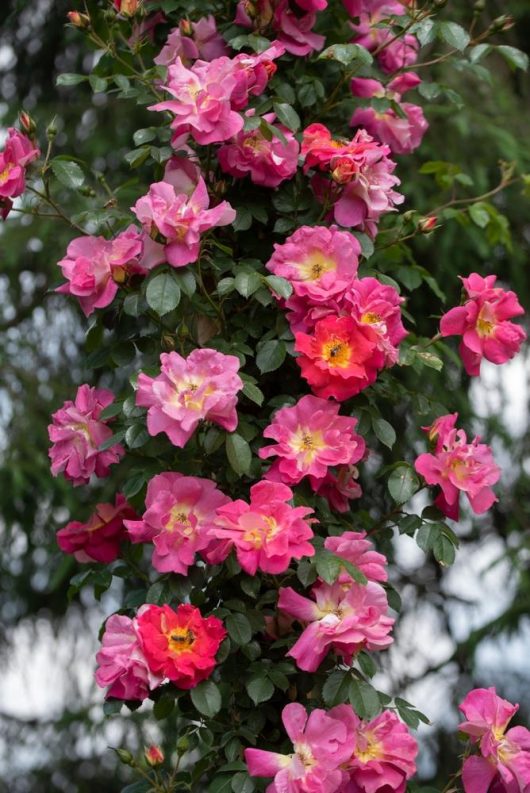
(261, 300)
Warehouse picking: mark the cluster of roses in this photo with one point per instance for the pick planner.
(346, 330)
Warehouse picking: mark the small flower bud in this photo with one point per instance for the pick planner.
(26, 123)
(127, 7)
(154, 755)
(501, 24)
(168, 342)
(183, 745)
(78, 20)
(479, 6)
(427, 223)
(125, 756)
(51, 130)
(185, 27)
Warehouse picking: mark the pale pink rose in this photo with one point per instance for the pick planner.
(201, 100)
(267, 162)
(180, 512)
(319, 262)
(504, 761)
(122, 666)
(252, 73)
(201, 40)
(378, 306)
(355, 548)
(95, 267)
(181, 219)
(310, 437)
(320, 746)
(97, 540)
(19, 151)
(383, 753)
(393, 53)
(202, 386)
(344, 617)
(458, 466)
(361, 185)
(77, 432)
(483, 322)
(268, 533)
(403, 135)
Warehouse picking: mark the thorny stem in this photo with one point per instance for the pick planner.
(49, 200)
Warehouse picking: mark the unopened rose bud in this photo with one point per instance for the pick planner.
(125, 756)
(26, 122)
(119, 275)
(51, 130)
(154, 755)
(185, 27)
(427, 224)
(501, 24)
(183, 745)
(343, 171)
(479, 6)
(127, 7)
(168, 342)
(250, 8)
(78, 20)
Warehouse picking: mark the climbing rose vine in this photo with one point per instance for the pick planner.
(250, 342)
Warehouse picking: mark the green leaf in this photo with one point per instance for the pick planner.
(287, 115)
(367, 664)
(403, 483)
(136, 436)
(271, 355)
(163, 707)
(328, 566)
(364, 700)
(384, 432)
(335, 689)
(142, 136)
(242, 783)
(253, 393)
(346, 53)
(207, 698)
(98, 84)
(70, 79)
(444, 550)
(134, 484)
(479, 214)
(221, 784)
(430, 360)
(281, 286)
(514, 57)
(239, 628)
(162, 293)
(238, 453)
(454, 35)
(260, 690)
(247, 282)
(68, 173)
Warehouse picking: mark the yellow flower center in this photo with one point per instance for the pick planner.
(368, 748)
(485, 324)
(258, 536)
(180, 640)
(305, 754)
(179, 516)
(4, 175)
(336, 353)
(315, 265)
(307, 443)
(370, 318)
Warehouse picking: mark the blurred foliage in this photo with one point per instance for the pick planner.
(477, 120)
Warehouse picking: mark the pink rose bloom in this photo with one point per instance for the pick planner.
(19, 151)
(483, 323)
(267, 162)
(312, 5)
(458, 466)
(504, 761)
(355, 548)
(320, 746)
(403, 135)
(380, 8)
(440, 430)
(362, 180)
(393, 54)
(310, 437)
(295, 32)
(383, 756)
(338, 490)
(344, 618)
(95, 267)
(201, 100)
(267, 533)
(202, 386)
(180, 511)
(378, 306)
(193, 40)
(122, 665)
(181, 219)
(77, 432)
(99, 539)
(318, 261)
